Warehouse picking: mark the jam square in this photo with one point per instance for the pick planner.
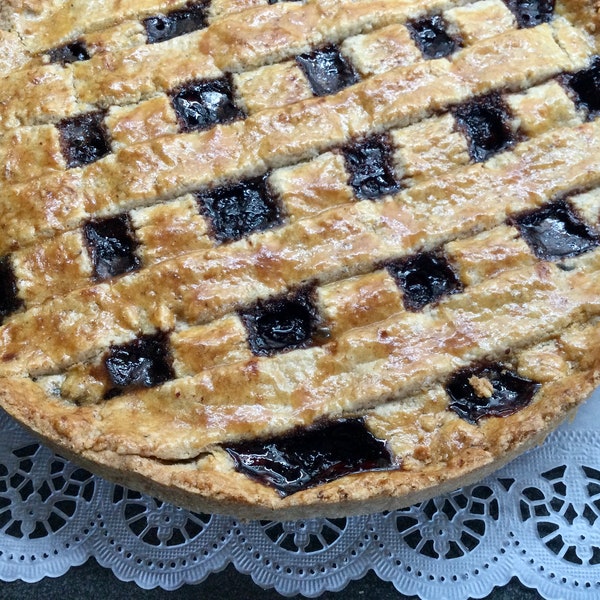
(111, 245)
(202, 104)
(84, 139)
(327, 70)
(240, 209)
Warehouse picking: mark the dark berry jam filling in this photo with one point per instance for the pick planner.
(554, 232)
(486, 123)
(143, 363)
(489, 391)
(84, 139)
(431, 37)
(424, 278)
(282, 324)
(239, 209)
(311, 457)
(202, 104)
(586, 87)
(178, 22)
(369, 163)
(111, 244)
(69, 53)
(530, 13)
(9, 292)
(327, 70)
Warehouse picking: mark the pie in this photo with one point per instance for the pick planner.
(289, 259)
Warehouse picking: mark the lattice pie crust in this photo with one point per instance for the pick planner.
(298, 258)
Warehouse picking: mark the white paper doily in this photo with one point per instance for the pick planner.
(535, 519)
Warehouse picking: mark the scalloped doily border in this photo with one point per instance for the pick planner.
(534, 519)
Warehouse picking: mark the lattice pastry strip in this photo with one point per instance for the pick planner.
(540, 107)
(30, 152)
(13, 52)
(273, 85)
(145, 121)
(29, 97)
(52, 24)
(467, 20)
(81, 35)
(379, 51)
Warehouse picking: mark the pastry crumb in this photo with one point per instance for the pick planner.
(482, 386)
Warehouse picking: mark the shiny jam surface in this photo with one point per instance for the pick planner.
(144, 362)
(530, 13)
(111, 246)
(586, 85)
(370, 165)
(327, 70)
(9, 298)
(69, 53)
(281, 324)
(311, 457)
(431, 37)
(239, 209)
(489, 391)
(554, 232)
(486, 123)
(202, 104)
(165, 27)
(84, 139)
(424, 278)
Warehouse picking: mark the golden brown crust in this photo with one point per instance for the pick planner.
(587, 14)
(373, 354)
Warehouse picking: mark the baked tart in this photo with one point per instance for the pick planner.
(290, 259)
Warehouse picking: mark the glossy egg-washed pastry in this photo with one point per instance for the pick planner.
(298, 258)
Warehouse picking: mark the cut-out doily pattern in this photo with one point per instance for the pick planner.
(536, 519)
